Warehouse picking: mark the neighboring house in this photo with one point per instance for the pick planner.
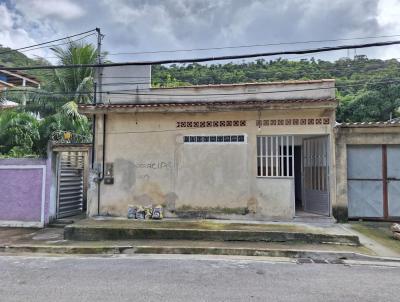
(254, 151)
(14, 79)
(9, 79)
(368, 170)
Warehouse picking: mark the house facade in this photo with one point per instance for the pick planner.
(248, 151)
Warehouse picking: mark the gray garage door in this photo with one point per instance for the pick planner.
(393, 180)
(373, 173)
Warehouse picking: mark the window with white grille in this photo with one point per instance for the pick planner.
(215, 139)
(275, 157)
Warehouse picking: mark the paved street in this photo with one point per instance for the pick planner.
(190, 278)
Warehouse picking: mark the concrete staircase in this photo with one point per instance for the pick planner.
(203, 230)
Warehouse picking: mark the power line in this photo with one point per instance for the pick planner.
(209, 59)
(59, 44)
(48, 42)
(248, 46)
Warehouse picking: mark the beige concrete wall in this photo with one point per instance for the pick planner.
(317, 89)
(357, 136)
(152, 165)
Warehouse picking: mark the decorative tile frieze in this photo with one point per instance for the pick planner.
(211, 124)
(293, 122)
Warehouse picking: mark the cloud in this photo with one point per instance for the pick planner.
(12, 34)
(149, 25)
(60, 9)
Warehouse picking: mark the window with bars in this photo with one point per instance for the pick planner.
(275, 156)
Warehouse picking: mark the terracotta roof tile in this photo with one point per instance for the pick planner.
(370, 124)
(220, 103)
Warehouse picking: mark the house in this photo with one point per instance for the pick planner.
(14, 79)
(248, 151)
(234, 151)
(10, 79)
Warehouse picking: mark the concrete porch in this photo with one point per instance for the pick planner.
(96, 229)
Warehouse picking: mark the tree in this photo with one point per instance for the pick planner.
(370, 105)
(18, 133)
(56, 104)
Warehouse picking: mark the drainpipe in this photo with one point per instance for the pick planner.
(94, 125)
(101, 178)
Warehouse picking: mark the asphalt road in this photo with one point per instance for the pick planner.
(181, 278)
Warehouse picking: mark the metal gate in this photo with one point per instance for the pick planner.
(70, 193)
(373, 181)
(316, 175)
(393, 180)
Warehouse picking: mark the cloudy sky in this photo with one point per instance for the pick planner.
(153, 25)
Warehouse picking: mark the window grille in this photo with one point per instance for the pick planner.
(215, 139)
(275, 156)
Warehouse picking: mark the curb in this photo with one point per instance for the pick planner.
(47, 249)
(330, 256)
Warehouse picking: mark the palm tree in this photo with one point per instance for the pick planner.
(62, 86)
(75, 83)
(18, 132)
(55, 104)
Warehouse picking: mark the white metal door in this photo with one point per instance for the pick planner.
(316, 175)
(70, 183)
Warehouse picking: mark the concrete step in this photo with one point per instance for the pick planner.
(60, 223)
(126, 230)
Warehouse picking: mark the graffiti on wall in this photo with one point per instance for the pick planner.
(154, 165)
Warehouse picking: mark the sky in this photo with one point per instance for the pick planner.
(154, 25)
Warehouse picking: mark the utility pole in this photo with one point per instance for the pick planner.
(99, 71)
(97, 97)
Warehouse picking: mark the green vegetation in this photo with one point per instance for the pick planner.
(18, 133)
(26, 130)
(15, 58)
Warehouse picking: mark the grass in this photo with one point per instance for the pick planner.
(378, 231)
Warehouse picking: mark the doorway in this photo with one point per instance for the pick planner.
(311, 166)
(71, 183)
(316, 176)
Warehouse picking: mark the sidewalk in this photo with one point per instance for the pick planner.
(376, 236)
